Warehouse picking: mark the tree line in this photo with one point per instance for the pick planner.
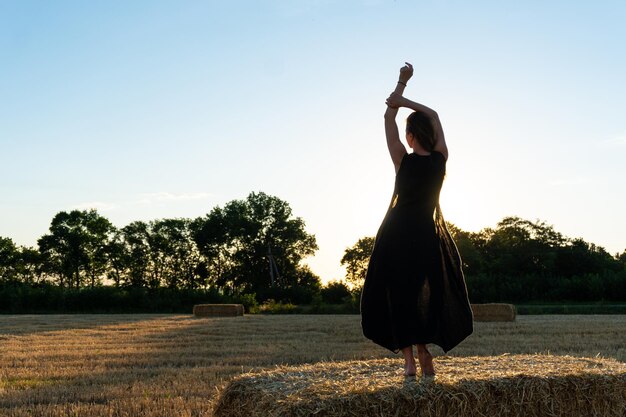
(252, 249)
(250, 246)
(522, 261)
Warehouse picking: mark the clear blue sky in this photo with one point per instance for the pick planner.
(152, 109)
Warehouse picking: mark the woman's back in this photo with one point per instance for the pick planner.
(409, 220)
(419, 181)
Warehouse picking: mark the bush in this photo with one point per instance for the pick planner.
(272, 307)
(249, 302)
(335, 292)
(296, 294)
(18, 298)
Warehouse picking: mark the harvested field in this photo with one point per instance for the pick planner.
(171, 365)
(474, 386)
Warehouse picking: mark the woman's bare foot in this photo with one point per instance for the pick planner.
(426, 361)
(409, 361)
(409, 369)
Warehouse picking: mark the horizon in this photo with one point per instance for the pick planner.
(156, 110)
(107, 281)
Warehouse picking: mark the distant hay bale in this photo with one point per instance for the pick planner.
(503, 386)
(217, 310)
(494, 312)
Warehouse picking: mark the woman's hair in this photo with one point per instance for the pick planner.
(421, 127)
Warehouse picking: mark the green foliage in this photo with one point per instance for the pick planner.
(521, 247)
(229, 249)
(327, 309)
(272, 307)
(249, 302)
(154, 254)
(237, 240)
(174, 253)
(8, 259)
(17, 297)
(523, 261)
(607, 286)
(19, 264)
(163, 265)
(335, 292)
(75, 249)
(356, 259)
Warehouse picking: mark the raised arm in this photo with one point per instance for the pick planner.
(396, 100)
(395, 146)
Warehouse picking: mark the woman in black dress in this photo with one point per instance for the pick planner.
(414, 291)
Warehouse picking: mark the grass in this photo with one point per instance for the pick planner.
(576, 308)
(170, 365)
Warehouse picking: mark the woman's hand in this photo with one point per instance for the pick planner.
(395, 100)
(406, 72)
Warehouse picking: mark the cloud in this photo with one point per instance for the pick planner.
(165, 196)
(97, 205)
(162, 197)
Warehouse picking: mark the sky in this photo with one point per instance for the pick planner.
(161, 109)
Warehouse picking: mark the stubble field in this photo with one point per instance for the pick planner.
(172, 365)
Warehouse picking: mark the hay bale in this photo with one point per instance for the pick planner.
(217, 310)
(494, 312)
(504, 386)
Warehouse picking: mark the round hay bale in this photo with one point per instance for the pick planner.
(217, 310)
(494, 312)
(504, 386)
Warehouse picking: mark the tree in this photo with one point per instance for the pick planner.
(75, 248)
(172, 244)
(28, 268)
(469, 245)
(135, 256)
(8, 260)
(519, 246)
(20, 264)
(239, 240)
(215, 241)
(356, 260)
(622, 259)
(579, 257)
(335, 292)
(158, 253)
(116, 258)
(270, 228)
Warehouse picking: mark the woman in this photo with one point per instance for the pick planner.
(414, 291)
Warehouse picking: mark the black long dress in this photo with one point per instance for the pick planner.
(414, 291)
